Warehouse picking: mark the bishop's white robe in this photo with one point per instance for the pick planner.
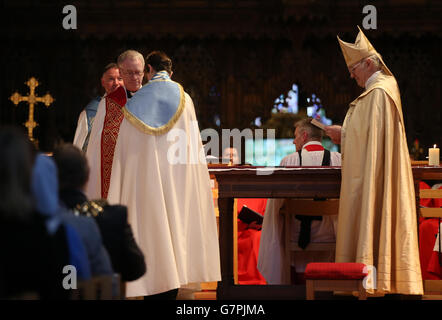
(271, 259)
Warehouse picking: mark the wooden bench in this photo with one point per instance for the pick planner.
(98, 288)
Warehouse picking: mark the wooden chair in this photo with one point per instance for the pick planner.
(431, 287)
(306, 207)
(98, 288)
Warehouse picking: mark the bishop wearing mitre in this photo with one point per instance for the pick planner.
(377, 216)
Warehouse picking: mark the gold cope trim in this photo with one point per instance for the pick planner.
(140, 125)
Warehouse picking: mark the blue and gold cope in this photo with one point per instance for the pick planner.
(157, 106)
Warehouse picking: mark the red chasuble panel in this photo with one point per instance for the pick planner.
(111, 127)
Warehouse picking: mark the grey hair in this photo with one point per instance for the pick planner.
(376, 61)
(313, 131)
(130, 54)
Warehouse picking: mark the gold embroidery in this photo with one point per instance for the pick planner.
(111, 128)
(90, 208)
(140, 125)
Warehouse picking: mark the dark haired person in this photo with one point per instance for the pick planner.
(45, 190)
(110, 80)
(73, 172)
(157, 61)
(33, 253)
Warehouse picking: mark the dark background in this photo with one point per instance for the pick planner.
(233, 57)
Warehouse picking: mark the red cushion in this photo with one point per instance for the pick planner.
(335, 271)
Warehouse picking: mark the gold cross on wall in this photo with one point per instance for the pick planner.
(31, 99)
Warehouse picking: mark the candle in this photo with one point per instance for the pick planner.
(433, 156)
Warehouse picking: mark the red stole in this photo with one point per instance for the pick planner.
(314, 147)
(111, 127)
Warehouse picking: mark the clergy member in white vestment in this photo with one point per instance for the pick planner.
(159, 172)
(84, 124)
(377, 222)
(271, 259)
(110, 80)
(104, 132)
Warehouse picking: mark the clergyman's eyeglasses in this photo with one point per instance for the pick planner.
(355, 66)
(132, 73)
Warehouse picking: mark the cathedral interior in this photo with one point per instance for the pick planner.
(233, 57)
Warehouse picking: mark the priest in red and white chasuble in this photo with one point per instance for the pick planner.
(100, 151)
(271, 259)
(377, 216)
(159, 172)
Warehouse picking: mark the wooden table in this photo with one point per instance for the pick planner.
(277, 182)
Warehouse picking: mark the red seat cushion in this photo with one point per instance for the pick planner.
(335, 271)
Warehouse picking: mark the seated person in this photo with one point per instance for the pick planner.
(125, 255)
(249, 236)
(45, 179)
(309, 152)
(434, 267)
(231, 154)
(47, 204)
(429, 229)
(33, 255)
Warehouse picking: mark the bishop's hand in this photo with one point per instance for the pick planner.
(334, 132)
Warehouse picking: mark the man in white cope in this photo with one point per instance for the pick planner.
(110, 80)
(104, 132)
(271, 259)
(159, 172)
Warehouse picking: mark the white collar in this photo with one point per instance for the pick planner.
(372, 78)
